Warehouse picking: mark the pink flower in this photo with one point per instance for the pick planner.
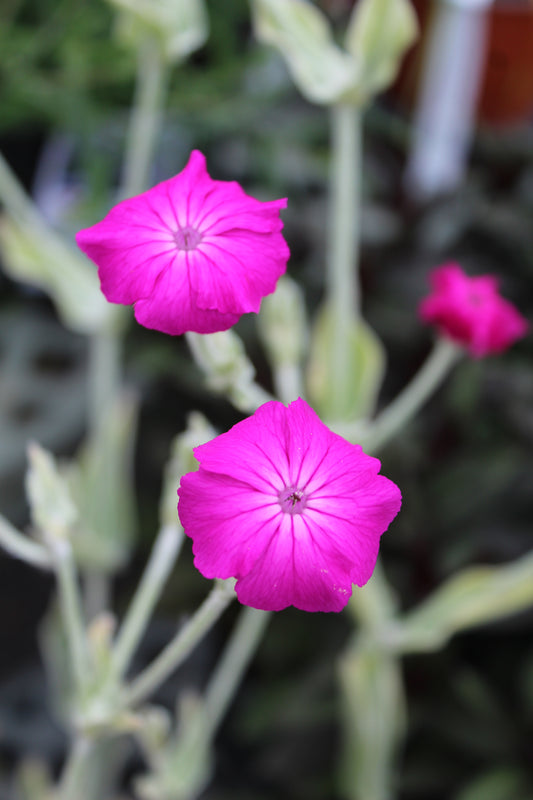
(471, 312)
(192, 254)
(289, 508)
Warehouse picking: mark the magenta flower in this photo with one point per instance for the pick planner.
(287, 507)
(471, 312)
(192, 254)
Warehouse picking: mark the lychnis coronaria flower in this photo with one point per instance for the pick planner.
(289, 508)
(192, 254)
(471, 312)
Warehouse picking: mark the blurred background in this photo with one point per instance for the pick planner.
(465, 465)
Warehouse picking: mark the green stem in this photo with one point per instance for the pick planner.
(103, 389)
(76, 773)
(145, 117)
(397, 414)
(19, 546)
(373, 606)
(342, 286)
(227, 368)
(71, 609)
(182, 644)
(14, 198)
(21, 208)
(235, 659)
(248, 397)
(288, 380)
(104, 377)
(96, 592)
(158, 568)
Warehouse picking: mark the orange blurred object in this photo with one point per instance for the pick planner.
(507, 90)
(506, 95)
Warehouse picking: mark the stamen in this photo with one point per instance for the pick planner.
(292, 501)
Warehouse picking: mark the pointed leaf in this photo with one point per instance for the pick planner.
(101, 484)
(181, 26)
(43, 260)
(322, 71)
(351, 396)
(379, 33)
(53, 511)
(475, 596)
(182, 460)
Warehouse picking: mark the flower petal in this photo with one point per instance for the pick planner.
(170, 306)
(237, 270)
(294, 571)
(471, 312)
(219, 509)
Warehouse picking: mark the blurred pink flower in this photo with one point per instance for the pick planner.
(289, 508)
(192, 254)
(471, 312)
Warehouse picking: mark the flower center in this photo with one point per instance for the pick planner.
(292, 501)
(475, 298)
(187, 238)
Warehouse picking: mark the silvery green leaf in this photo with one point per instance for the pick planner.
(181, 461)
(475, 596)
(181, 26)
(180, 765)
(373, 718)
(282, 323)
(222, 357)
(42, 259)
(373, 604)
(379, 33)
(33, 779)
(101, 485)
(353, 395)
(53, 511)
(498, 783)
(322, 71)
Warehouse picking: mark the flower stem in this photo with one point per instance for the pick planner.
(20, 546)
(288, 381)
(145, 117)
(182, 644)
(237, 655)
(15, 200)
(76, 770)
(342, 285)
(71, 609)
(159, 566)
(104, 377)
(105, 348)
(442, 358)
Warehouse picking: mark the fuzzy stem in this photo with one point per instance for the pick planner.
(20, 546)
(104, 377)
(235, 659)
(145, 118)
(442, 358)
(342, 285)
(103, 388)
(75, 776)
(182, 644)
(15, 200)
(71, 609)
(158, 568)
(288, 380)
